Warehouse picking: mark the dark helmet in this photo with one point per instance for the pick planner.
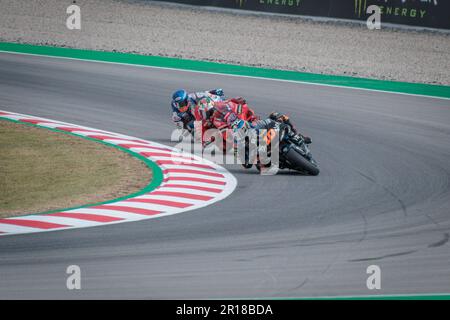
(278, 116)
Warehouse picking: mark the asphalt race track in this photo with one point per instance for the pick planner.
(382, 197)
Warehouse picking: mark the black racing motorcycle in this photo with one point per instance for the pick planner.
(294, 152)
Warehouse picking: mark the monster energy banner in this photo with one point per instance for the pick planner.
(424, 13)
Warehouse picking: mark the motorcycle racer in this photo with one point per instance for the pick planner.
(264, 130)
(224, 116)
(216, 114)
(183, 103)
(207, 109)
(283, 118)
(276, 120)
(221, 112)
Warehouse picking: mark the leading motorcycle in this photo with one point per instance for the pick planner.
(294, 152)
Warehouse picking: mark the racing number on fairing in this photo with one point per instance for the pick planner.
(269, 136)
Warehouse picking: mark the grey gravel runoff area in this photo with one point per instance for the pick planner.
(273, 41)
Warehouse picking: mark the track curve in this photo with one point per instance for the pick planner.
(174, 188)
(382, 196)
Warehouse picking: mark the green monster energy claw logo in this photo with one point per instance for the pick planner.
(360, 6)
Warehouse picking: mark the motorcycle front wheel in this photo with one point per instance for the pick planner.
(300, 163)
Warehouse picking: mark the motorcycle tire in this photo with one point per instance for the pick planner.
(300, 163)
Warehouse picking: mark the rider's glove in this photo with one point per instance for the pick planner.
(307, 139)
(217, 92)
(175, 117)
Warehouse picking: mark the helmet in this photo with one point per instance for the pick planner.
(180, 97)
(235, 123)
(240, 129)
(242, 124)
(204, 109)
(206, 103)
(279, 117)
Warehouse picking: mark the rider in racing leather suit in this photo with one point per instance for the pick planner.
(224, 117)
(215, 112)
(225, 112)
(282, 118)
(183, 116)
(220, 115)
(273, 122)
(276, 120)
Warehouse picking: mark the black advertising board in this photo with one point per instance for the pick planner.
(424, 13)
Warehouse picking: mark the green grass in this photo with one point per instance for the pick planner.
(42, 170)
